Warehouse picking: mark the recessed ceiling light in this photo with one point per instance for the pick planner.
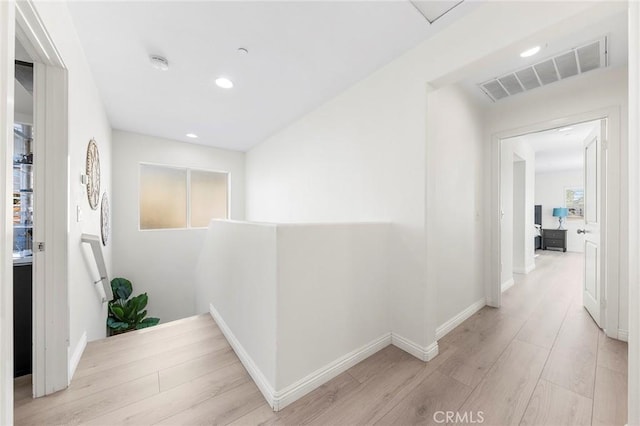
(565, 129)
(191, 135)
(530, 52)
(159, 63)
(224, 82)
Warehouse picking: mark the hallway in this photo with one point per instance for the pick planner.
(539, 360)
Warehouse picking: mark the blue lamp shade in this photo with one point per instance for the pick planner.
(560, 212)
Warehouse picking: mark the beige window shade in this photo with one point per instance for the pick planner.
(163, 197)
(209, 197)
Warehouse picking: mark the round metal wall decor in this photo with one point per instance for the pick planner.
(105, 226)
(93, 174)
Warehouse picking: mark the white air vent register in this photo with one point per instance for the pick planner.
(565, 65)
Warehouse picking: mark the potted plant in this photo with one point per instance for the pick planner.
(127, 313)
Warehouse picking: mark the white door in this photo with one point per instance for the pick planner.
(593, 298)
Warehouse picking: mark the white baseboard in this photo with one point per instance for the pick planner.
(265, 387)
(445, 328)
(74, 359)
(412, 348)
(524, 270)
(623, 335)
(321, 376)
(280, 399)
(507, 285)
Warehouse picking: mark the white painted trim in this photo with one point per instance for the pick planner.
(321, 376)
(507, 285)
(74, 359)
(633, 417)
(260, 380)
(421, 352)
(280, 399)
(7, 55)
(524, 270)
(623, 335)
(452, 323)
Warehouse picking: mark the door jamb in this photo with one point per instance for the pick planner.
(7, 72)
(51, 307)
(611, 229)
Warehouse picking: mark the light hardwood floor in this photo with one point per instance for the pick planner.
(539, 360)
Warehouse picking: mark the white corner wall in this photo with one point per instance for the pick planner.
(455, 156)
(236, 273)
(517, 230)
(550, 193)
(87, 120)
(162, 262)
(298, 303)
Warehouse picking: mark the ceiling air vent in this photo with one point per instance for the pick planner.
(568, 64)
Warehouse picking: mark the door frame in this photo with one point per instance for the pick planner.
(634, 216)
(611, 216)
(50, 301)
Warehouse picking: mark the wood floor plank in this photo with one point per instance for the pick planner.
(312, 405)
(480, 351)
(378, 363)
(503, 394)
(81, 410)
(437, 392)
(104, 380)
(258, 417)
(612, 353)
(107, 361)
(137, 338)
(551, 404)
(610, 401)
(165, 404)
(176, 375)
(369, 400)
(221, 409)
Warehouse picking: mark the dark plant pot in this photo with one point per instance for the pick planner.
(111, 332)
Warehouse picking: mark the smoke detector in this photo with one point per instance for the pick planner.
(159, 63)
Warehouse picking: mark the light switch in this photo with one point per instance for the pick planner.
(79, 214)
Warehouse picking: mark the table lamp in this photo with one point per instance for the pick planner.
(560, 213)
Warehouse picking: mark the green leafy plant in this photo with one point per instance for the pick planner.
(127, 313)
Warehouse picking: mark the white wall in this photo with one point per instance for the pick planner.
(456, 158)
(297, 298)
(333, 294)
(361, 156)
(517, 230)
(237, 273)
(162, 262)
(87, 120)
(550, 193)
(592, 92)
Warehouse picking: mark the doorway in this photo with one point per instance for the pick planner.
(591, 141)
(20, 21)
(22, 199)
(549, 182)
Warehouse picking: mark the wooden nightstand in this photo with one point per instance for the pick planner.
(554, 238)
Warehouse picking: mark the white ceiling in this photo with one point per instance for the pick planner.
(559, 151)
(300, 55)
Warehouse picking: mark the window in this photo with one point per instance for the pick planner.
(574, 201)
(178, 198)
